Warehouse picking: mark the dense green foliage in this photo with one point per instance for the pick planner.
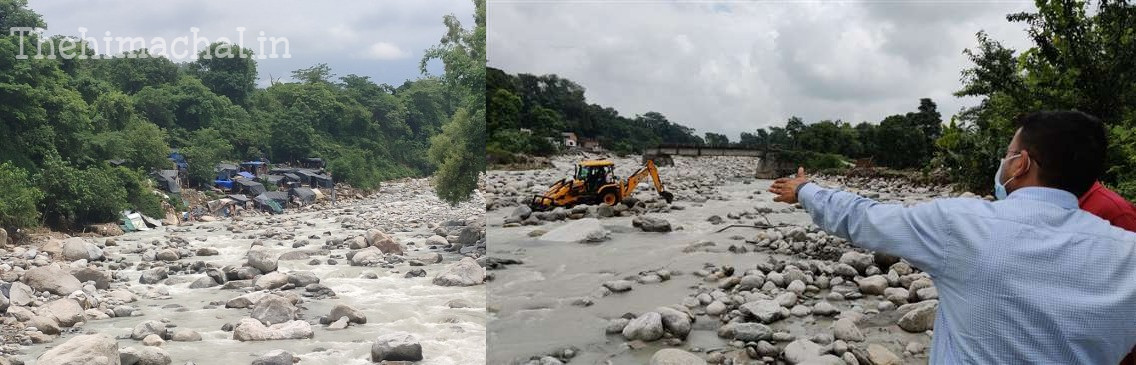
(459, 150)
(1078, 61)
(525, 111)
(18, 198)
(63, 119)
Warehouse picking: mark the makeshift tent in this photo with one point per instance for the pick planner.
(255, 167)
(249, 187)
(246, 175)
(168, 180)
(274, 201)
(313, 162)
(239, 198)
(305, 195)
(293, 177)
(226, 171)
(272, 179)
(321, 181)
(179, 160)
(305, 175)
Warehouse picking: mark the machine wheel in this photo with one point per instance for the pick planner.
(610, 198)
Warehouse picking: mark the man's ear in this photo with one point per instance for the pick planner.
(1025, 163)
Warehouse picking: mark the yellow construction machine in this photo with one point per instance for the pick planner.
(595, 182)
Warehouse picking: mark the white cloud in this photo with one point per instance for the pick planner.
(336, 33)
(734, 66)
(385, 51)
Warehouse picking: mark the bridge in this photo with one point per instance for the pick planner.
(769, 166)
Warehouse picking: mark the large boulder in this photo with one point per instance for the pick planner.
(859, 261)
(21, 294)
(651, 224)
(583, 230)
(369, 256)
(880, 355)
(353, 315)
(398, 346)
(97, 349)
(101, 278)
(675, 357)
(469, 236)
(920, 318)
(274, 309)
(249, 329)
(271, 280)
(384, 242)
(79, 249)
(802, 350)
(646, 327)
(66, 311)
(462, 273)
(148, 328)
(52, 279)
(261, 260)
(874, 284)
(154, 276)
(752, 332)
(144, 355)
(846, 329)
(275, 357)
(765, 310)
(675, 321)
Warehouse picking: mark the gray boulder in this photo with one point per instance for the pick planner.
(462, 273)
(52, 279)
(79, 249)
(651, 224)
(97, 349)
(675, 357)
(398, 346)
(248, 329)
(262, 260)
(646, 327)
(275, 357)
(273, 309)
(353, 315)
(145, 355)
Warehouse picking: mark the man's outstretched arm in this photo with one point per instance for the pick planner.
(916, 233)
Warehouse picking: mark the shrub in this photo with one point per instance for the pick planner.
(18, 198)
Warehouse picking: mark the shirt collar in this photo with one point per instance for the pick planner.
(1059, 197)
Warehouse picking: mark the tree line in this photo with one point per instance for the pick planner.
(62, 120)
(1081, 58)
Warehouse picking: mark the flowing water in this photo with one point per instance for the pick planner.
(390, 302)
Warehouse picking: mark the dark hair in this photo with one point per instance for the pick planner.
(1068, 146)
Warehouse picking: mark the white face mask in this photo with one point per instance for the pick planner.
(999, 186)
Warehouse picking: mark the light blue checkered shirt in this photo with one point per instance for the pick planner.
(1030, 279)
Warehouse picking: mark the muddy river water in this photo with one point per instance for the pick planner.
(390, 301)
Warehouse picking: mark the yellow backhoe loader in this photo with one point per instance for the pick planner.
(595, 182)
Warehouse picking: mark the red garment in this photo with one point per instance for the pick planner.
(1108, 205)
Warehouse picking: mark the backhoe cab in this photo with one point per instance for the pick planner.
(595, 182)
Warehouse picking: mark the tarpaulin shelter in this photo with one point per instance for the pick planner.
(168, 180)
(305, 195)
(255, 167)
(249, 187)
(247, 175)
(312, 162)
(321, 181)
(179, 160)
(272, 179)
(274, 201)
(226, 171)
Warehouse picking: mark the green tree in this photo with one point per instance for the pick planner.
(227, 70)
(459, 151)
(18, 198)
(205, 150)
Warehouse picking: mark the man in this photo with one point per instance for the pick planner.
(1110, 206)
(1026, 279)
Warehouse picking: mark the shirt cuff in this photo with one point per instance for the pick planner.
(805, 193)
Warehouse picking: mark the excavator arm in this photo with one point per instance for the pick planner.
(647, 170)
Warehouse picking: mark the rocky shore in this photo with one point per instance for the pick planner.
(700, 281)
(395, 276)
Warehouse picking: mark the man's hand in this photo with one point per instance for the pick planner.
(786, 188)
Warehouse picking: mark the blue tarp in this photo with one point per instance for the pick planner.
(247, 175)
(224, 184)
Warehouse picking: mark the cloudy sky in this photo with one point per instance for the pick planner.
(381, 39)
(736, 66)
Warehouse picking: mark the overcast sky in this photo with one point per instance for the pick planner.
(737, 66)
(381, 39)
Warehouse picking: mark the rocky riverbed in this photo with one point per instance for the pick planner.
(396, 276)
(695, 282)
